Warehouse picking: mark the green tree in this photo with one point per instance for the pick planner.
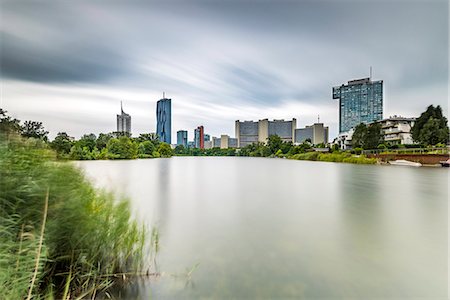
(88, 140)
(359, 136)
(374, 136)
(8, 125)
(179, 149)
(432, 133)
(102, 140)
(152, 137)
(34, 129)
(274, 143)
(122, 148)
(146, 147)
(165, 150)
(431, 127)
(62, 143)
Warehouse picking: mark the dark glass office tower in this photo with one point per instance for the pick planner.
(182, 138)
(164, 120)
(360, 101)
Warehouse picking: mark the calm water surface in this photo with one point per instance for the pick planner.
(273, 228)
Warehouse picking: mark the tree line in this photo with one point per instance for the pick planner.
(114, 145)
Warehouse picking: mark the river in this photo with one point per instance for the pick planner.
(276, 228)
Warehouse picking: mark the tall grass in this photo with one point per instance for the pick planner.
(68, 243)
(344, 157)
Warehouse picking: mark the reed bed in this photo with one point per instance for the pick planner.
(59, 236)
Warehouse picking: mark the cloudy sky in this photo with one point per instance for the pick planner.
(69, 64)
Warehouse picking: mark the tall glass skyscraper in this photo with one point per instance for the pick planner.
(164, 120)
(182, 138)
(360, 101)
(123, 121)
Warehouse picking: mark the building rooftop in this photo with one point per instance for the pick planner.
(361, 81)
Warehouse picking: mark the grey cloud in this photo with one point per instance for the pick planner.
(229, 53)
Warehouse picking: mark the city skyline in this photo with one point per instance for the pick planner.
(237, 62)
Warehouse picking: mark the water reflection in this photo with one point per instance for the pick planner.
(271, 228)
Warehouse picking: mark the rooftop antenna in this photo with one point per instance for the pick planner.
(121, 107)
(318, 118)
(371, 73)
(164, 95)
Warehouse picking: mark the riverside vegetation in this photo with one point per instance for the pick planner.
(430, 129)
(59, 237)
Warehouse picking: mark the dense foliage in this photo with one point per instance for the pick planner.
(114, 146)
(431, 127)
(51, 240)
(367, 136)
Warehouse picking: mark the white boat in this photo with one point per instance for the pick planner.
(402, 162)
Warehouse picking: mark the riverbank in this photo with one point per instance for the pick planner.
(59, 236)
(341, 157)
(424, 159)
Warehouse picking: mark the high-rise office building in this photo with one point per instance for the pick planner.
(360, 101)
(182, 138)
(316, 134)
(199, 137)
(123, 121)
(249, 132)
(246, 133)
(164, 120)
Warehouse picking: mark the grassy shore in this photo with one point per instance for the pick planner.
(344, 157)
(59, 237)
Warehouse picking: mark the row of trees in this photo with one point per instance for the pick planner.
(115, 145)
(430, 129)
(110, 146)
(275, 146)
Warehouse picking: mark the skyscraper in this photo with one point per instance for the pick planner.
(199, 137)
(182, 138)
(360, 101)
(123, 121)
(164, 120)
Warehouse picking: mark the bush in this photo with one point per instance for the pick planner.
(357, 151)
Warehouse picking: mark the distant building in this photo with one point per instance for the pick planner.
(316, 134)
(191, 144)
(397, 130)
(232, 142)
(164, 120)
(360, 101)
(182, 138)
(216, 142)
(123, 121)
(207, 137)
(199, 137)
(208, 144)
(249, 132)
(246, 133)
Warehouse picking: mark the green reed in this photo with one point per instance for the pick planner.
(59, 236)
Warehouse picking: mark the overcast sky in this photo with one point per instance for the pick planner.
(69, 64)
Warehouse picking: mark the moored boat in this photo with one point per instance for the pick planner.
(445, 163)
(402, 162)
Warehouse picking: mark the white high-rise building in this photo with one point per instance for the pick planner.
(123, 121)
